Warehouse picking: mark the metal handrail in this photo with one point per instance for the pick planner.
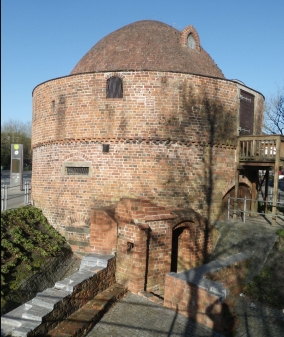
(5, 194)
(245, 211)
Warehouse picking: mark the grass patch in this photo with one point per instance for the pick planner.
(262, 288)
(280, 232)
(267, 287)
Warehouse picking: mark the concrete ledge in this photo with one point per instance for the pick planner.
(92, 260)
(49, 298)
(82, 230)
(29, 316)
(204, 299)
(197, 276)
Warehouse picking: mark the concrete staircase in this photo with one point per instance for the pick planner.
(35, 316)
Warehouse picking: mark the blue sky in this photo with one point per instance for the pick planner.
(44, 39)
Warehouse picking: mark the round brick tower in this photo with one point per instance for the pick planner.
(147, 114)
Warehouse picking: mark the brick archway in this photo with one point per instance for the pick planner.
(191, 245)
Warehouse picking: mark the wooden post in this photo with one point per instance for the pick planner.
(266, 189)
(276, 179)
(253, 191)
(237, 173)
(236, 193)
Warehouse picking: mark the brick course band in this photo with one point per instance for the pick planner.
(131, 141)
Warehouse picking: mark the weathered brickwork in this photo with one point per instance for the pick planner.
(172, 175)
(158, 134)
(141, 234)
(159, 105)
(231, 276)
(197, 303)
(103, 231)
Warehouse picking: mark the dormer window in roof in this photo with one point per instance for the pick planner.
(190, 41)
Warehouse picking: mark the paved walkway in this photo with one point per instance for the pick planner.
(258, 320)
(135, 316)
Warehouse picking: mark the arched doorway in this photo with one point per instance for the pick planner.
(190, 246)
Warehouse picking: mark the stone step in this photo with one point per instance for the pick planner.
(36, 313)
(83, 320)
(93, 260)
(25, 328)
(49, 297)
(152, 297)
(12, 322)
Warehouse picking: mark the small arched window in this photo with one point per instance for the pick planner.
(190, 41)
(114, 87)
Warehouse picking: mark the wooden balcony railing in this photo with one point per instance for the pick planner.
(262, 149)
(260, 152)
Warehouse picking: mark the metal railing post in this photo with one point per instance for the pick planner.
(5, 197)
(28, 192)
(229, 201)
(245, 207)
(25, 189)
(2, 197)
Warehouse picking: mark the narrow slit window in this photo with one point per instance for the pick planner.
(114, 87)
(105, 147)
(53, 106)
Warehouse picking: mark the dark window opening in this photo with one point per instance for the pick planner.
(53, 106)
(175, 248)
(105, 147)
(246, 113)
(72, 170)
(114, 87)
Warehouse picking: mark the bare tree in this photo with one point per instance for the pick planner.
(274, 113)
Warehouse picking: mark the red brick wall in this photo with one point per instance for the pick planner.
(159, 255)
(231, 277)
(154, 104)
(131, 265)
(169, 175)
(103, 232)
(196, 303)
(171, 141)
(145, 265)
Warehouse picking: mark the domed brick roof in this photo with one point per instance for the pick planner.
(148, 45)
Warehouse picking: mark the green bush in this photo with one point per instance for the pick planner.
(27, 240)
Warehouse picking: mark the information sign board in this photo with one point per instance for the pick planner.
(16, 170)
